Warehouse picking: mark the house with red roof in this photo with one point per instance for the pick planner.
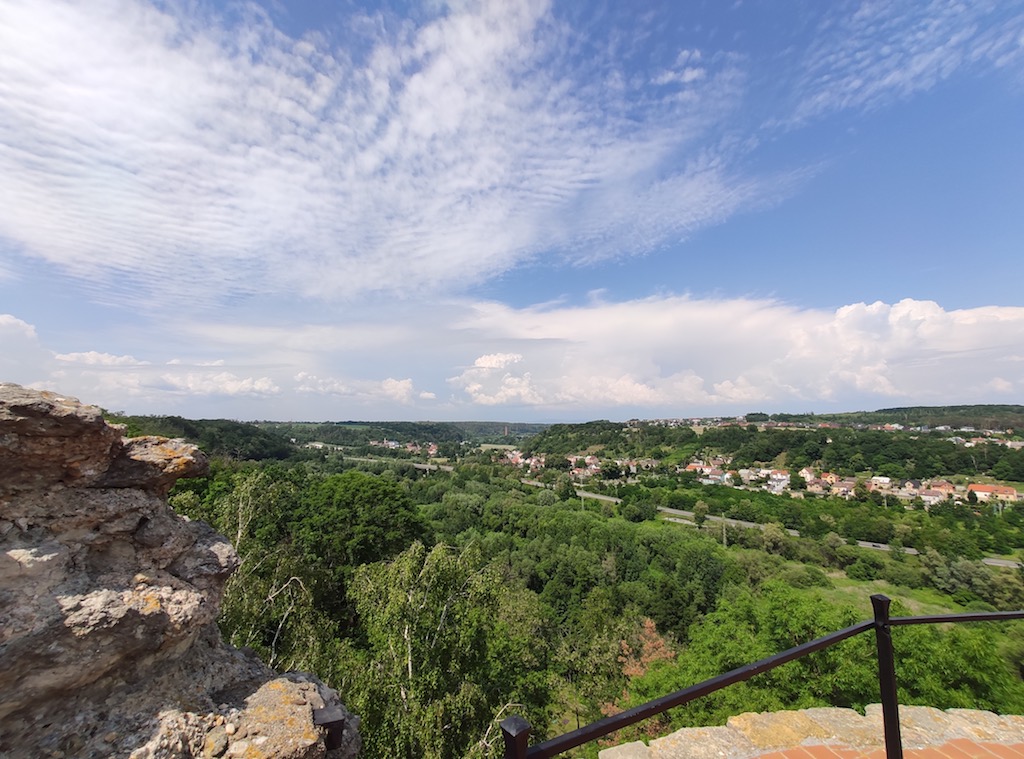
(993, 492)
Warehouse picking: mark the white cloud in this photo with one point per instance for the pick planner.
(884, 51)
(183, 157)
(1001, 386)
(363, 391)
(666, 352)
(659, 356)
(180, 362)
(94, 358)
(161, 153)
(22, 358)
(397, 390)
(503, 390)
(497, 360)
(13, 326)
(684, 76)
(219, 383)
(308, 383)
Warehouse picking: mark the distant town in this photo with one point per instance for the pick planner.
(717, 470)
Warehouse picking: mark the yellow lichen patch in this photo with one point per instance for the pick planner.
(147, 602)
(280, 713)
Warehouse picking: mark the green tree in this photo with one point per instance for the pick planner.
(700, 513)
(564, 488)
(775, 538)
(447, 648)
(945, 669)
(350, 519)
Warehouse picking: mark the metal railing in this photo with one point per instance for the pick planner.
(516, 730)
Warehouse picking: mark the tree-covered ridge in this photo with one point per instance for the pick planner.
(981, 417)
(636, 439)
(848, 452)
(851, 452)
(362, 433)
(217, 437)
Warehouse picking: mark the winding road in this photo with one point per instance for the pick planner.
(687, 517)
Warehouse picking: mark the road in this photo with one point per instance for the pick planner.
(385, 460)
(686, 517)
(989, 560)
(731, 522)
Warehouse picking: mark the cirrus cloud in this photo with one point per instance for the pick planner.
(186, 156)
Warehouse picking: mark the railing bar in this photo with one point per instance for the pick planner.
(980, 616)
(887, 677)
(636, 714)
(610, 724)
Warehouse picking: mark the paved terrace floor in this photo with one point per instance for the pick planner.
(824, 733)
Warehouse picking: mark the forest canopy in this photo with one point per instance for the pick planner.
(438, 601)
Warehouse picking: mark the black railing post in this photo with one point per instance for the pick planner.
(516, 732)
(887, 678)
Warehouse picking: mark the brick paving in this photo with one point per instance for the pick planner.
(927, 733)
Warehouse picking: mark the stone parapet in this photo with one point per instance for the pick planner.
(751, 735)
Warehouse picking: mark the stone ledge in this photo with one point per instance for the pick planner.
(750, 735)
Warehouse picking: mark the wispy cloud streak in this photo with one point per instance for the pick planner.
(878, 51)
(156, 153)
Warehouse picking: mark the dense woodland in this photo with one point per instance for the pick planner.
(437, 602)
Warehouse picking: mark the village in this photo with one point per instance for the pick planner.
(715, 470)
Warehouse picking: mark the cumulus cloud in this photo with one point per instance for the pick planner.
(363, 391)
(15, 327)
(309, 383)
(659, 356)
(397, 390)
(219, 383)
(497, 360)
(675, 352)
(117, 381)
(488, 389)
(22, 358)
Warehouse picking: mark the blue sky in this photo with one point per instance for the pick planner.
(535, 211)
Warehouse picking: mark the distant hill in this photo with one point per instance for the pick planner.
(354, 433)
(993, 417)
(216, 437)
(274, 440)
(277, 440)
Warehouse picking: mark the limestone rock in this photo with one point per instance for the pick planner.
(46, 438)
(108, 602)
(716, 742)
(153, 463)
(775, 729)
